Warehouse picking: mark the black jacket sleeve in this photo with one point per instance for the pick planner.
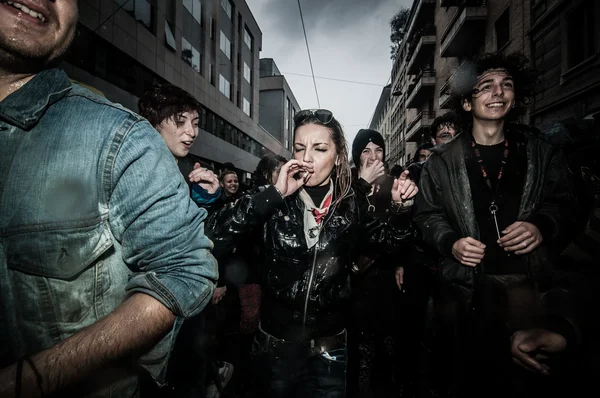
(429, 214)
(554, 217)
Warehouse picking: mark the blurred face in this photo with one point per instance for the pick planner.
(371, 153)
(423, 155)
(35, 31)
(313, 144)
(275, 174)
(493, 96)
(230, 184)
(444, 134)
(179, 132)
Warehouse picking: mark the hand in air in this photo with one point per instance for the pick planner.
(205, 178)
(404, 188)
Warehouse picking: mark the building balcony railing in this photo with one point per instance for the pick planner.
(423, 51)
(421, 124)
(466, 31)
(422, 89)
(424, 12)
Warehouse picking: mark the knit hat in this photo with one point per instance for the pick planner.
(361, 141)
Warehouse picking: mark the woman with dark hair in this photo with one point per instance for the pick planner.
(267, 170)
(313, 220)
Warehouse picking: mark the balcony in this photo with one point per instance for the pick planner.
(466, 31)
(424, 12)
(444, 98)
(421, 89)
(422, 53)
(419, 126)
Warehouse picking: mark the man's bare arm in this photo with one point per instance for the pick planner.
(132, 328)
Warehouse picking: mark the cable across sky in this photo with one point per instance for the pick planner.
(309, 58)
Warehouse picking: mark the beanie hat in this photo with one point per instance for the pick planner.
(361, 141)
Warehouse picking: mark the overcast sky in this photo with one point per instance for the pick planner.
(348, 39)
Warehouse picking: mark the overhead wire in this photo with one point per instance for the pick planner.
(334, 79)
(309, 57)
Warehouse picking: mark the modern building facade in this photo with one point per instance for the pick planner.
(277, 103)
(208, 47)
(559, 36)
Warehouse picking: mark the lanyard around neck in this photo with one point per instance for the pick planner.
(484, 172)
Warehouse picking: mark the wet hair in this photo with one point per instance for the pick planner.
(448, 119)
(428, 146)
(515, 64)
(166, 101)
(342, 177)
(265, 169)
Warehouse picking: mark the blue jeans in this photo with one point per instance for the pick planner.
(298, 369)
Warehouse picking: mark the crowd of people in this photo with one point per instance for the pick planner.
(131, 268)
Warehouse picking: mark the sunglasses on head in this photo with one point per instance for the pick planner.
(323, 115)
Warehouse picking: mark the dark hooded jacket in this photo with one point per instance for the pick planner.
(444, 210)
(306, 290)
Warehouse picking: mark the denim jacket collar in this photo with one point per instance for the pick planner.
(25, 107)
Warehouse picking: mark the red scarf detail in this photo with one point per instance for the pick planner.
(318, 213)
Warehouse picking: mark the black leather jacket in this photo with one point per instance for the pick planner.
(306, 290)
(444, 209)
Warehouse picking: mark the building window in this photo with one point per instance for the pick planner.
(581, 37)
(224, 86)
(195, 8)
(211, 74)
(226, 4)
(141, 10)
(502, 28)
(211, 28)
(225, 45)
(247, 73)
(170, 37)
(287, 113)
(248, 39)
(246, 108)
(190, 55)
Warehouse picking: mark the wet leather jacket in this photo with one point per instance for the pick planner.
(306, 291)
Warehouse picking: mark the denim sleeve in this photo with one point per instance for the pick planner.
(161, 232)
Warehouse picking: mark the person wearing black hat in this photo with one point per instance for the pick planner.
(377, 289)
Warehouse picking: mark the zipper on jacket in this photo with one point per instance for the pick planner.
(312, 270)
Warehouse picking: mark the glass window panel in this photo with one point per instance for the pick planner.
(170, 37)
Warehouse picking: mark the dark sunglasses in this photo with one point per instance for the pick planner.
(322, 115)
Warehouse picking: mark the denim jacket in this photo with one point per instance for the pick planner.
(92, 209)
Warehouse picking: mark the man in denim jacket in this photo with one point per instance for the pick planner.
(102, 252)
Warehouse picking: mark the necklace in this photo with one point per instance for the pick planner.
(493, 206)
